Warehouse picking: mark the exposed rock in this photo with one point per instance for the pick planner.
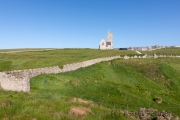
(158, 100)
(150, 113)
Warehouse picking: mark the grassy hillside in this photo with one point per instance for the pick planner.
(48, 58)
(25, 49)
(98, 90)
(164, 51)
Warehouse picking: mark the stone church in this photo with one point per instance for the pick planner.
(107, 45)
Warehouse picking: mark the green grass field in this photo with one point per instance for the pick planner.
(164, 51)
(107, 87)
(25, 49)
(49, 58)
(110, 85)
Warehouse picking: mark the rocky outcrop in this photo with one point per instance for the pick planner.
(151, 114)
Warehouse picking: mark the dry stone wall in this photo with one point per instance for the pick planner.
(19, 80)
(13, 82)
(75, 66)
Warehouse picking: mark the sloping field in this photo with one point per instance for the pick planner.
(49, 58)
(164, 51)
(24, 50)
(102, 91)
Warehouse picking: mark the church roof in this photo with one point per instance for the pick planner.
(108, 43)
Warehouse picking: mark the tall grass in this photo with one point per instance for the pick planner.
(112, 86)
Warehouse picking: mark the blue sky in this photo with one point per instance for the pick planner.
(83, 23)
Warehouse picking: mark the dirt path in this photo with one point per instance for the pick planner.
(138, 52)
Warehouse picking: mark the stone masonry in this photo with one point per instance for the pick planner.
(19, 80)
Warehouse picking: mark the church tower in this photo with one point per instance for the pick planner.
(110, 38)
(107, 45)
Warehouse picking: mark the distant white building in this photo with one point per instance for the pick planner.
(107, 45)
